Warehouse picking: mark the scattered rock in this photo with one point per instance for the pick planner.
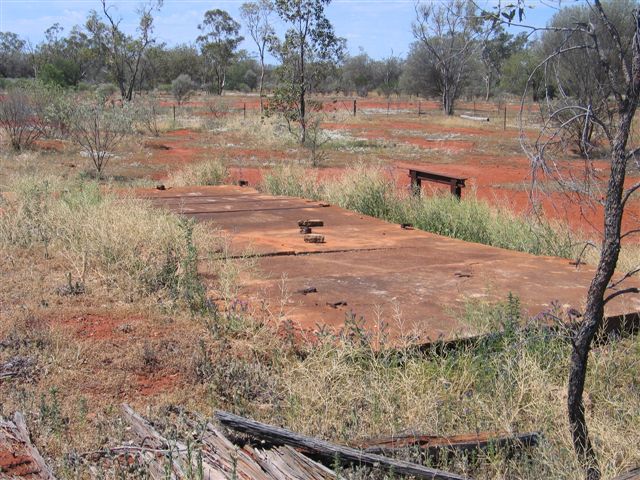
(463, 274)
(125, 328)
(16, 367)
(71, 288)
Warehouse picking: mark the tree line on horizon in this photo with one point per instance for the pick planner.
(456, 53)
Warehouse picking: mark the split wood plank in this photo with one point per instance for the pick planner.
(435, 445)
(327, 451)
(477, 119)
(224, 455)
(151, 439)
(19, 458)
(285, 463)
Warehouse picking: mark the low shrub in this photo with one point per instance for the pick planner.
(19, 118)
(98, 129)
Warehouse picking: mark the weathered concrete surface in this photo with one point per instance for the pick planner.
(412, 282)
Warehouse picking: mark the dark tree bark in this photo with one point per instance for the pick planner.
(618, 79)
(596, 300)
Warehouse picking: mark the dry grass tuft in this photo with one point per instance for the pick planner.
(113, 241)
(210, 172)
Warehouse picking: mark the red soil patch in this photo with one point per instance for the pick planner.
(149, 385)
(501, 180)
(50, 145)
(96, 327)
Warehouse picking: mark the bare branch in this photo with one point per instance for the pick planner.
(626, 291)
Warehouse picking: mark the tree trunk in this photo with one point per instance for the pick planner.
(447, 101)
(261, 85)
(303, 109)
(594, 312)
(488, 79)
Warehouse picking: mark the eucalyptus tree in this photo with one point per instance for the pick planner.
(452, 32)
(310, 41)
(13, 56)
(218, 43)
(257, 18)
(123, 52)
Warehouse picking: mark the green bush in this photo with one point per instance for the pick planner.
(105, 90)
(62, 72)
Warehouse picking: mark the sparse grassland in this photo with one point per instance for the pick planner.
(111, 300)
(373, 191)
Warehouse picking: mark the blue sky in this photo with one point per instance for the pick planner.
(380, 27)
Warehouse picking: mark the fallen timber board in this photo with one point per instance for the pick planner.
(285, 463)
(329, 452)
(19, 458)
(380, 271)
(434, 445)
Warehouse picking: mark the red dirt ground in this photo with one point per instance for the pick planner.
(114, 331)
(95, 326)
(501, 180)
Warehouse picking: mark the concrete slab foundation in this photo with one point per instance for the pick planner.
(400, 282)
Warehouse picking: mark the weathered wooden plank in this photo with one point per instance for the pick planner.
(285, 463)
(435, 445)
(327, 451)
(19, 458)
(224, 455)
(477, 119)
(156, 463)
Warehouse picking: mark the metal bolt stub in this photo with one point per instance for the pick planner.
(340, 303)
(308, 290)
(310, 223)
(314, 238)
